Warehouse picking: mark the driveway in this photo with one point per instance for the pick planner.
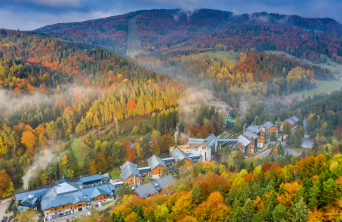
(3, 207)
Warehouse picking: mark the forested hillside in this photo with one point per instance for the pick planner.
(53, 89)
(302, 37)
(286, 189)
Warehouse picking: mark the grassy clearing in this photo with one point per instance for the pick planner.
(115, 173)
(219, 54)
(326, 86)
(133, 43)
(80, 150)
(164, 155)
(333, 66)
(143, 164)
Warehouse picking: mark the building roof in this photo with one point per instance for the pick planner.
(169, 160)
(267, 125)
(195, 156)
(64, 188)
(128, 169)
(52, 199)
(179, 154)
(254, 129)
(91, 178)
(165, 181)
(155, 161)
(249, 135)
(243, 140)
(154, 186)
(208, 142)
(36, 193)
(293, 120)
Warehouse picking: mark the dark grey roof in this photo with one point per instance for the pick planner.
(179, 154)
(169, 160)
(243, 140)
(165, 181)
(128, 169)
(91, 178)
(248, 134)
(267, 125)
(293, 120)
(254, 129)
(146, 190)
(195, 156)
(307, 142)
(155, 161)
(154, 186)
(208, 142)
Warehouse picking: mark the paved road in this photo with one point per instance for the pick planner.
(3, 207)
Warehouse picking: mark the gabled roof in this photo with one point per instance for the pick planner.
(208, 142)
(164, 181)
(64, 188)
(243, 140)
(293, 120)
(128, 169)
(36, 193)
(179, 154)
(155, 161)
(91, 178)
(154, 186)
(254, 129)
(267, 125)
(249, 135)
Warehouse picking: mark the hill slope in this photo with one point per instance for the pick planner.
(302, 37)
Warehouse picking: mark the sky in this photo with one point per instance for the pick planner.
(33, 14)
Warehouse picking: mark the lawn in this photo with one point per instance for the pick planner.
(133, 43)
(333, 65)
(219, 54)
(164, 155)
(326, 86)
(115, 173)
(80, 150)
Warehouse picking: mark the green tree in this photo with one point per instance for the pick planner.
(280, 213)
(251, 167)
(314, 195)
(298, 139)
(273, 137)
(328, 191)
(247, 214)
(300, 211)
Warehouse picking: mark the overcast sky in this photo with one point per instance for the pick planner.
(32, 14)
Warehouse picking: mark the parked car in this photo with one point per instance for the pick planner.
(53, 216)
(61, 215)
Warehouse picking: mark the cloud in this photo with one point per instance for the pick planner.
(26, 20)
(56, 3)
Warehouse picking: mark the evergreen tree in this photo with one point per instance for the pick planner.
(300, 211)
(247, 215)
(314, 196)
(280, 213)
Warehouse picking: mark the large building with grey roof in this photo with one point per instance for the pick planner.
(246, 146)
(130, 174)
(67, 196)
(293, 122)
(157, 166)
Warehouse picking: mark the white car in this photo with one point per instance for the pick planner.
(88, 214)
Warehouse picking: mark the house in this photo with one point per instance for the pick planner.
(293, 122)
(269, 128)
(258, 142)
(245, 145)
(67, 196)
(256, 130)
(157, 166)
(130, 174)
(154, 188)
(203, 147)
(179, 155)
(91, 180)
